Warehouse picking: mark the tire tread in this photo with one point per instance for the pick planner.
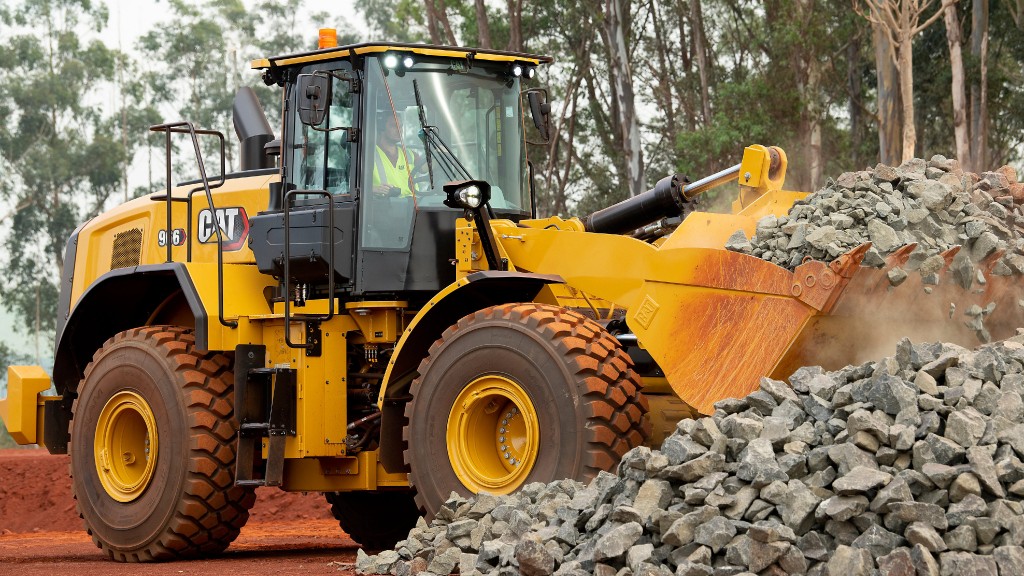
(213, 510)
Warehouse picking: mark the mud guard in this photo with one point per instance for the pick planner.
(118, 300)
(465, 296)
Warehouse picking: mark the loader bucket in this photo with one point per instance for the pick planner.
(871, 315)
(717, 321)
(715, 344)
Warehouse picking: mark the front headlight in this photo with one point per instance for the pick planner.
(470, 196)
(467, 194)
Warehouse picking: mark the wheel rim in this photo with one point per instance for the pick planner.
(492, 435)
(126, 446)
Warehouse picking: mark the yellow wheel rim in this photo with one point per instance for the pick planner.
(125, 446)
(493, 435)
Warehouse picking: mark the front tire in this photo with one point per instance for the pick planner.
(520, 393)
(153, 448)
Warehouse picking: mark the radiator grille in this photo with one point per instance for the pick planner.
(127, 249)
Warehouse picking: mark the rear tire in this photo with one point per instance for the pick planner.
(150, 388)
(520, 393)
(376, 520)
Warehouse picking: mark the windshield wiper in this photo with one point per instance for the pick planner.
(448, 160)
(423, 129)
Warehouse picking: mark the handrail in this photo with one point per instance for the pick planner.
(287, 259)
(189, 128)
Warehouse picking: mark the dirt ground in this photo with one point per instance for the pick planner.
(41, 534)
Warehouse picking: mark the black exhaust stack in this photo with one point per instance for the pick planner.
(252, 129)
(665, 200)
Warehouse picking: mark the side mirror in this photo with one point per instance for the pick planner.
(314, 97)
(540, 110)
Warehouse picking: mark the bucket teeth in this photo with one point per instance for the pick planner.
(846, 264)
(991, 260)
(900, 256)
(948, 255)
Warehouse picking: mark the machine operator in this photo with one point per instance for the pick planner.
(392, 165)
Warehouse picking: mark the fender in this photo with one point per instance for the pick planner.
(467, 295)
(118, 300)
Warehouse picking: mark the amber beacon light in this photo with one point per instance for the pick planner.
(328, 38)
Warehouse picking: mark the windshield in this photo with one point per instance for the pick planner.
(444, 120)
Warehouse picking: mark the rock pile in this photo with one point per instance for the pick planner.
(932, 203)
(908, 466)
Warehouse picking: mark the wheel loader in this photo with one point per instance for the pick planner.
(311, 324)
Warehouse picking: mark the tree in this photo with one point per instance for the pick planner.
(208, 66)
(956, 61)
(899, 21)
(401, 20)
(616, 32)
(979, 88)
(63, 159)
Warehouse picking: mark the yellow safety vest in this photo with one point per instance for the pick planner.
(397, 174)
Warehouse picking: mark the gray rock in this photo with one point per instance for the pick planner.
(878, 541)
(738, 242)
(847, 457)
(897, 563)
(985, 469)
(887, 393)
(883, 236)
(924, 562)
(963, 563)
(364, 563)
(445, 562)
(861, 479)
(797, 506)
(679, 449)
(653, 495)
(1009, 559)
(925, 535)
(897, 490)
(933, 194)
(961, 538)
(699, 467)
(758, 465)
(847, 561)
(965, 427)
(638, 555)
(971, 506)
(842, 508)
(715, 533)
(617, 541)
(688, 568)
(896, 276)
(964, 485)
(908, 512)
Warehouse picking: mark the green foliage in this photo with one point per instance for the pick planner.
(395, 20)
(63, 163)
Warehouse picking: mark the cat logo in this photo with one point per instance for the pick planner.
(234, 225)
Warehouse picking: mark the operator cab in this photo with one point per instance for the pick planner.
(376, 131)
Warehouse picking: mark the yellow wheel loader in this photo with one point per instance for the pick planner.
(379, 315)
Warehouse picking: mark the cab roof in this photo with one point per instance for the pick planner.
(377, 48)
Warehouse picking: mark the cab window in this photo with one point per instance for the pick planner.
(321, 155)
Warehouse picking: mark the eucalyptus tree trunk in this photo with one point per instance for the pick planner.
(700, 47)
(615, 32)
(483, 28)
(515, 25)
(956, 61)
(889, 109)
(906, 68)
(979, 91)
